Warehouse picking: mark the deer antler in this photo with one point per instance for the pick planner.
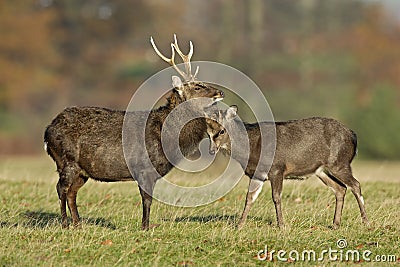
(185, 58)
(188, 76)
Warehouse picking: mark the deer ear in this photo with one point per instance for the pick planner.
(177, 84)
(231, 112)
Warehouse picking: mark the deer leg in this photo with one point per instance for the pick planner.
(345, 176)
(340, 192)
(146, 203)
(67, 175)
(146, 188)
(71, 198)
(255, 187)
(356, 190)
(62, 198)
(276, 186)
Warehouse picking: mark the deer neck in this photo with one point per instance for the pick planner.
(174, 100)
(239, 148)
(193, 131)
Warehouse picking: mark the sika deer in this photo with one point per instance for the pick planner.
(86, 142)
(304, 147)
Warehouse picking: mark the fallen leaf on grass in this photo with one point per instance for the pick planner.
(298, 200)
(262, 256)
(67, 250)
(388, 227)
(107, 242)
(360, 246)
(185, 263)
(372, 243)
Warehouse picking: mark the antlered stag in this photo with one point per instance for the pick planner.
(86, 142)
(319, 146)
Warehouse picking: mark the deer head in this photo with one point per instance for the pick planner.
(217, 122)
(189, 87)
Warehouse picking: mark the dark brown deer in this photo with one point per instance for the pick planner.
(86, 142)
(319, 146)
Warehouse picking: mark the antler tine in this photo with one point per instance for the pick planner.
(171, 60)
(158, 51)
(185, 58)
(189, 55)
(195, 73)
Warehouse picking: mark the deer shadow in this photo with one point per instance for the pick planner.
(206, 219)
(42, 219)
(231, 219)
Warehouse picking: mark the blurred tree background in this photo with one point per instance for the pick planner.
(336, 58)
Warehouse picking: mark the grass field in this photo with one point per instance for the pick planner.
(204, 236)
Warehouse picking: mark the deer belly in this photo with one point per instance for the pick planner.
(298, 177)
(105, 168)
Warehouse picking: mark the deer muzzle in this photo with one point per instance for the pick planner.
(219, 96)
(213, 148)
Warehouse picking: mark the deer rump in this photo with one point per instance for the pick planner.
(91, 138)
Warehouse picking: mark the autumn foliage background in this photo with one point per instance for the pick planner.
(311, 58)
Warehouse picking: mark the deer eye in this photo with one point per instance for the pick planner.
(221, 132)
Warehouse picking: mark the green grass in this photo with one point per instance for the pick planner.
(204, 236)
